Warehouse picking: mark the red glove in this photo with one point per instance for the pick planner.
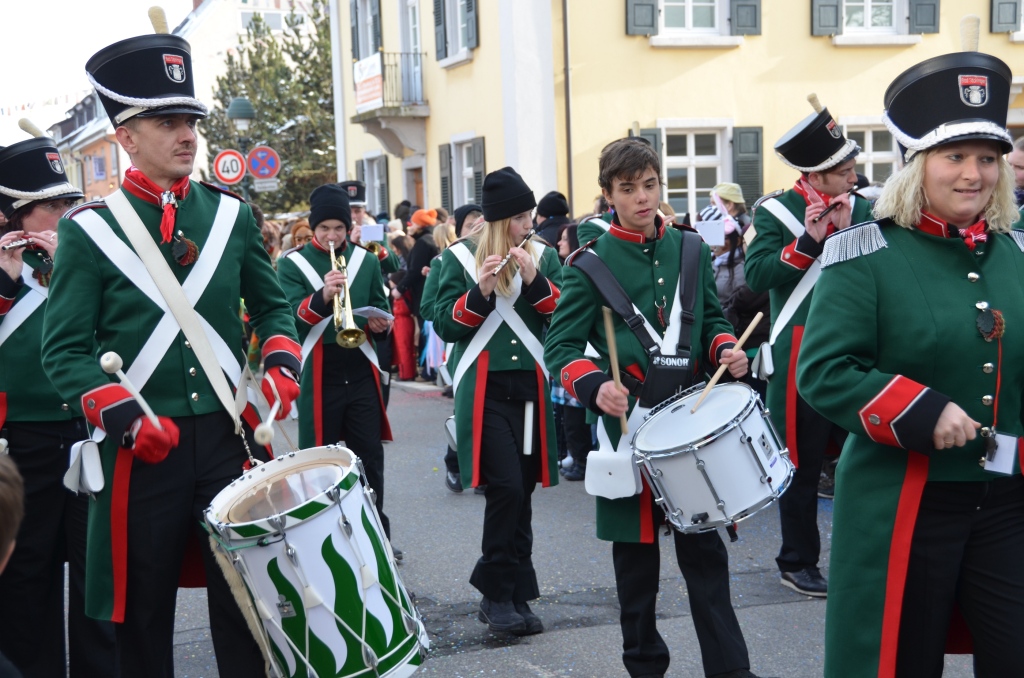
(151, 443)
(286, 385)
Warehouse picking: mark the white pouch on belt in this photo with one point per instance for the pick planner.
(85, 472)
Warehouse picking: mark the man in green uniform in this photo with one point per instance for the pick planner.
(40, 427)
(645, 259)
(205, 249)
(783, 260)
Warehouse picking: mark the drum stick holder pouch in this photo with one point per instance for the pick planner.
(85, 471)
(762, 366)
(666, 374)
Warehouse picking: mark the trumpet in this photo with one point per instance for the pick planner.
(348, 335)
(532, 232)
(374, 247)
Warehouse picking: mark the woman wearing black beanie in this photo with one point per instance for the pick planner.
(504, 423)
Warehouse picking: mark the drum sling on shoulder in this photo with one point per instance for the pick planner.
(666, 374)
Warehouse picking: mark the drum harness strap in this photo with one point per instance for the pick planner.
(665, 374)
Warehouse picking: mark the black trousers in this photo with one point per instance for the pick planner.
(166, 502)
(577, 433)
(967, 549)
(704, 563)
(505, 569)
(351, 412)
(32, 585)
(384, 345)
(798, 507)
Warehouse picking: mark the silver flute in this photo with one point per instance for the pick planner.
(16, 244)
(501, 265)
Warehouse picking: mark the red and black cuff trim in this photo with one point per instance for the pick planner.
(582, 379)
(802, 252)
(111, 408)
(9, 289)
(279, 350)
(903, 414)
(472, 308)
(541, 294)
(313, 308)
(720, 343)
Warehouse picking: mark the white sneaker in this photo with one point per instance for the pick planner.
(567, 462)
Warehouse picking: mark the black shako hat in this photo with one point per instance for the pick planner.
(505, 195)
(329, 201)
(145, 76)
(356, 191)
(30, 171)
(460, 215)
(949, 98)
(815, 144)
(553, 204)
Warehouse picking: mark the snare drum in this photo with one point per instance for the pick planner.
(716, 466)
(304, 536)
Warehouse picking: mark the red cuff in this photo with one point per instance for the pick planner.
(882, 416)
(576, 371)
(383, 254)
(791, 256)
(282, 351)
(306, 313)
(719, 344)
(546, 306)
(5, 305)
(462, 315)
(110, 407)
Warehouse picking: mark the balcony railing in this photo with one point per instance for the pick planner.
(403, 78)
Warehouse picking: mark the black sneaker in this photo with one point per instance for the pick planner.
(533, 622)
(453, 481)
(574, 473)
(826, 486)
(398, 553)
(807, 581)
(501, 617)
(480, 489)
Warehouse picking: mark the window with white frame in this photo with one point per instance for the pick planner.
(692, 16)
(457, 29)
(375, 176)
(873, 16)
(693, 161)
(462, 174)
(275, 19)
(879, 156)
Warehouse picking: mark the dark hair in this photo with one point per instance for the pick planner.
(442, 214)
(12, 503)
(570, 231)
(402, 244)
(257, 213)
(626, 159)
(733, 241)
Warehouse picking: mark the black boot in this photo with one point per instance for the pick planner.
(533, 622)
(501, 617)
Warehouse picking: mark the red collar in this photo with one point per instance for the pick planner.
(932, 225)
(337, 250)
(805, 189)
(632, 236)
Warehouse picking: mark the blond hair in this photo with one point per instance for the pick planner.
(444, 235)
(495, 238)
(903, 196)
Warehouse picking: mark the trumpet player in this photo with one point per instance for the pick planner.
(341, 381)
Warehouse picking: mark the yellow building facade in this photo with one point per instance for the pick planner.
(712, 83)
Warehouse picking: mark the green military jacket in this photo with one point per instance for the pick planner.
(101, 299)
(26, 393)
(429, 297)
(776, 261)
(892, 337)
(314, 322)
(460, 310)
(648, 272)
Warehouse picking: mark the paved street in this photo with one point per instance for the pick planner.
(440, 532)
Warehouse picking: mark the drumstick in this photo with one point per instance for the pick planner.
(264, 432)
(273, 414)
(721, 368)
(112, 364)
(613, 358)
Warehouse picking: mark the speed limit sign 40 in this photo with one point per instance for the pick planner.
(229, 166)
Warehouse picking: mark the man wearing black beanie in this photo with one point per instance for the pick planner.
(345, 381)
(552, 216)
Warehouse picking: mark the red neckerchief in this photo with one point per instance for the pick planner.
(621, 233)
(971, 235)
(139, 185)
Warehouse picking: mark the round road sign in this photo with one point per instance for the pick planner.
(229, 166)
(264, 163)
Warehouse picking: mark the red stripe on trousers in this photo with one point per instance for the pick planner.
(647, 528)
(479, 393)
(899, 560)
(385, 424)
(545, 472)
(794, 454)
(119, 531)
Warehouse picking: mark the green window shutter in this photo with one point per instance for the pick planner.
(826, 18)
(383, 192)
(354, 16)
(924, 16)
(745, 17)
(479, 171)
(1005, 16)
(444, 157)
(375, 39)
(472, 39)
(641, 17)
(439, 33)
(653, 137)
(361, 170)
(747, 162)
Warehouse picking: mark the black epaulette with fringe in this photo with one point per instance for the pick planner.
(853, 242)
